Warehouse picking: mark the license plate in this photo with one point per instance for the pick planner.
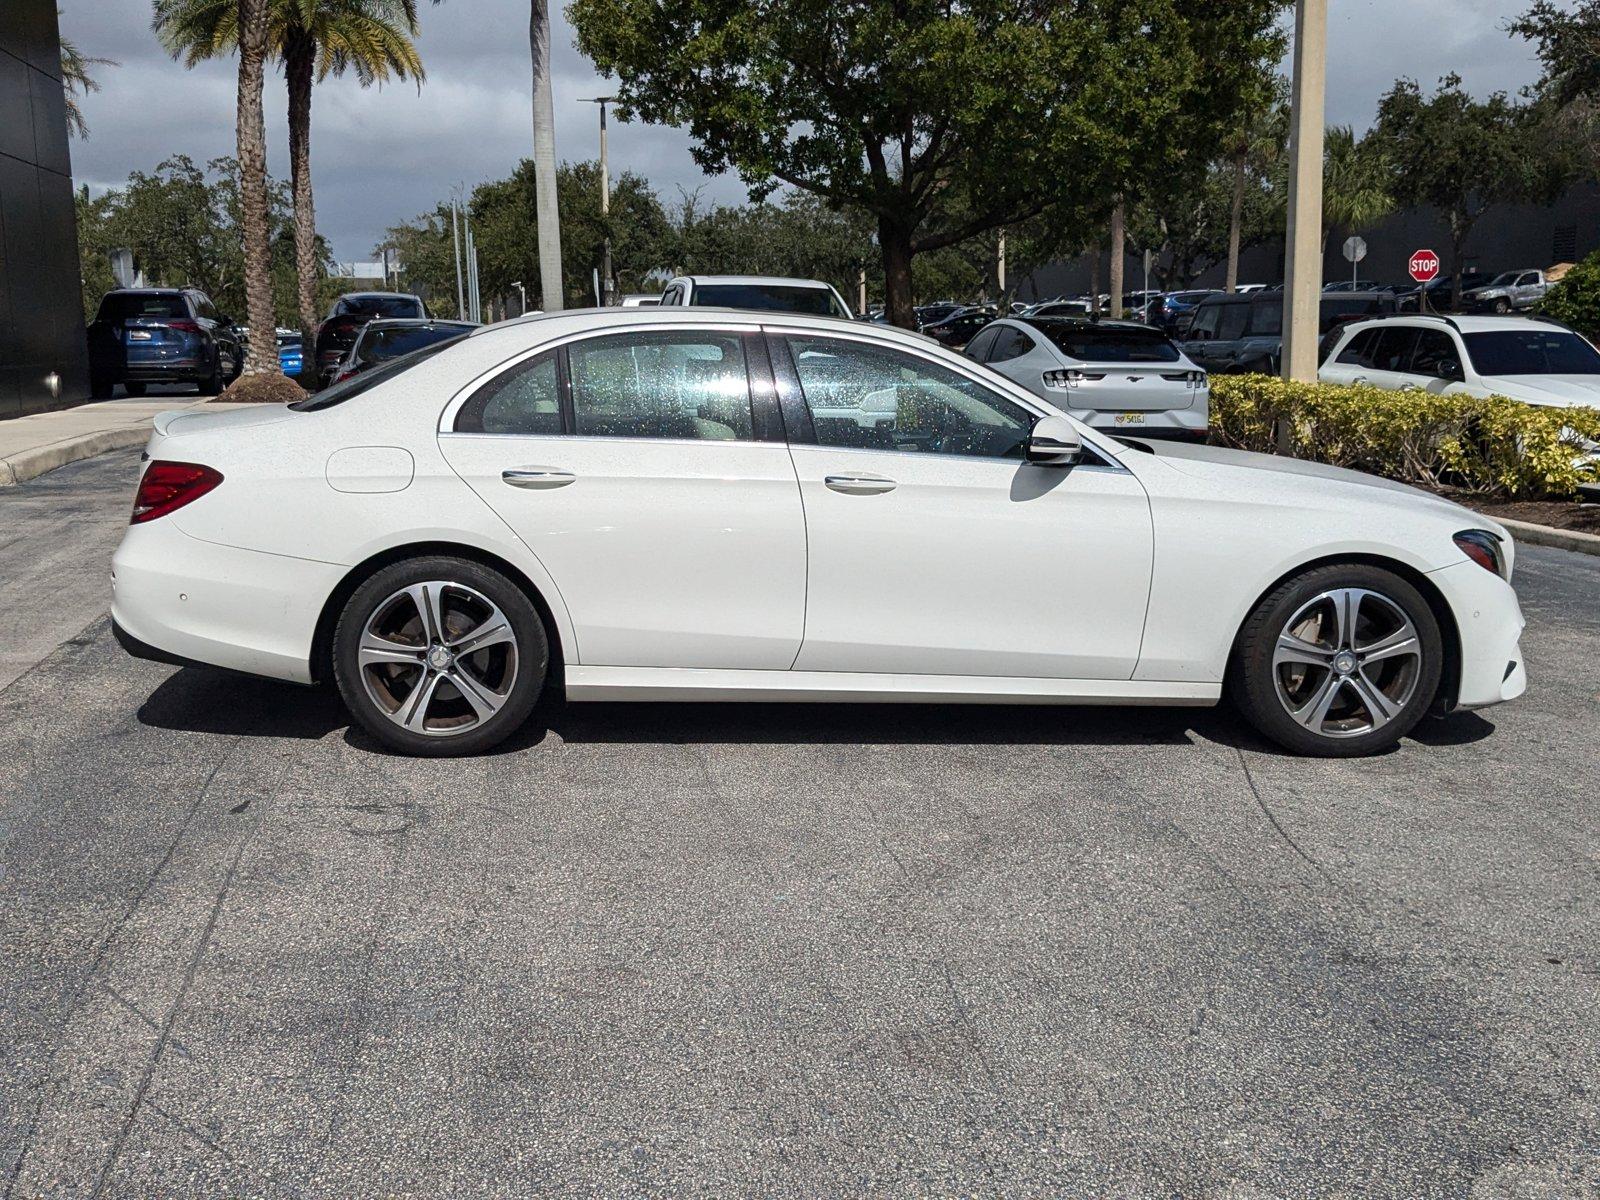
(138, 335)
(1130, 418)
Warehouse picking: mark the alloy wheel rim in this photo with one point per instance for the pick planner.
(438, 658)
(1347, 662)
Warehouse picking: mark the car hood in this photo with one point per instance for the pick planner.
(1214, 460)
(179, 421)
(1557, 391)
(1480, 293)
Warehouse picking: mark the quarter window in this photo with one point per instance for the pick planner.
(661, 385)
(524, 400)
(869, 398)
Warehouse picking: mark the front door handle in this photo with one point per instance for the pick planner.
(537, 477)
(859, 485)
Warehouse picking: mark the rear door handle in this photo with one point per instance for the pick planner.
(859, 485)
(539, 478)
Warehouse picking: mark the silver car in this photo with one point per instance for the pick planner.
(1119, 376)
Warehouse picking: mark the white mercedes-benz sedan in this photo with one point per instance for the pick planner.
(693, 504)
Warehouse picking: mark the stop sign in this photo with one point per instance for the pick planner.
(1424, 265)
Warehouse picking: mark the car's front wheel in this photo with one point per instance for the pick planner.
(440, 656)
(1339, 662)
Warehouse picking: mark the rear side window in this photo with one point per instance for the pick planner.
(1359, 352)
(978, 347)
(1234, 320)
(524, 400)
(1266, 318)
(1393, 351)
(1207, 319)
(661, 385)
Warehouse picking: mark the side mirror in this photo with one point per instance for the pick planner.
(1450, 369)
(1054, 442)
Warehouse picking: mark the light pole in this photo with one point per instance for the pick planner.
(522, 292)
(605, 197)
(1303, 243)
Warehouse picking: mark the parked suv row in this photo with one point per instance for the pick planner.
(142, 336)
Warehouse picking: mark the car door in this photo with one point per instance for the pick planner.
(1527, 290)
(1353, 362)
(660, 499)
(1391, 358)
(934, 548)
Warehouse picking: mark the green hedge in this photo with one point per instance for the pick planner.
(1575, 301)
(1496, 448)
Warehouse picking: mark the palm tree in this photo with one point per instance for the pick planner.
(1255, 145)
(251, 134)
(546, 213)
(77, 81)
(1355, 192)
(314, 39)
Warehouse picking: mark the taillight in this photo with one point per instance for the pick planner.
(183, 326)
(167, 486)
(1483, 548)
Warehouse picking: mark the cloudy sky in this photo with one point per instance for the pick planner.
(384, 155)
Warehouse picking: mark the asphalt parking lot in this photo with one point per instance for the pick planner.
(778, 950)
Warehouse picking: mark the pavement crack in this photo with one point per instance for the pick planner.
(1283, 833)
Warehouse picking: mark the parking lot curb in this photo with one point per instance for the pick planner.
(31, 463)
(1561, 539)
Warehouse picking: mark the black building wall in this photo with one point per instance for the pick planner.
(41, 314)
(1506, 238)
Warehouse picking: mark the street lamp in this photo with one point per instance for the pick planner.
(605, 193)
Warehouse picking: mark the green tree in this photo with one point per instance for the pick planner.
(1254, 147)
(77, 82)
(1568, 44)
(937, 120)
(314, 39)
(1462, 156)
(1355, 182)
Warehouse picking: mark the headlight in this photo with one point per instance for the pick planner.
(1483, 548)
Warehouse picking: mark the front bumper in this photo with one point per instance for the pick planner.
(1490, 623)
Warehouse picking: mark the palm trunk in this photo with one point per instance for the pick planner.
(1119, 254)
(546, 209)
(1235, 217)
(299, 64)
(262, 358)
(1094, 278)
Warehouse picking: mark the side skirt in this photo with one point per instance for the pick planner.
(793, 687)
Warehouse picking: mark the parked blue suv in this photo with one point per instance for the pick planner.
(161, 335)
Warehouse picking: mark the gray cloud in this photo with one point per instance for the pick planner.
(383, 155)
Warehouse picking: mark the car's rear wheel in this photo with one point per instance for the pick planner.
(1338, 662)
(440, 656)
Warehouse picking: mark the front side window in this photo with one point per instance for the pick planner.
(871, 398)
(1235, 319)
(1433, 351)
(525, 400)
(661, 385)
(1207, 318)
(1531, 352)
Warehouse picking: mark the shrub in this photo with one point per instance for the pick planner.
(1494, 447)
(1575, 301)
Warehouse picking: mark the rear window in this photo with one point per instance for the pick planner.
(122, 307)
(1531, 352)
(769, 297)
(380, 345)
(1109, 344)
(356, 384)
(379, 306)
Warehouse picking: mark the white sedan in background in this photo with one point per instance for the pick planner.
(687, 504)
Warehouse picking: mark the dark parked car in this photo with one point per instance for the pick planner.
(958, 330)
(142, 336)
(1233, 335)
(1440, 290)
(1172, 312)
(382, 339)
(932, 314)
(350, 312)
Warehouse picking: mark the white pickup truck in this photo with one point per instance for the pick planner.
(1509, 291)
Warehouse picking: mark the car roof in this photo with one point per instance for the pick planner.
(150, 291)
(377, 295)
(406, 322)
(760, 280)
(1049, 322)
(590, 320)
(1462, 323)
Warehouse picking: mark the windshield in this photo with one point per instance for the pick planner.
(1110, 345)
(356, 384)
(120, 307)
(379, 306)
(1531, 352)
(380, 345)
(775, 297)
(1504, 279)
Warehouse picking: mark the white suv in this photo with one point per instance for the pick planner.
(765, 293)
(1526, 358)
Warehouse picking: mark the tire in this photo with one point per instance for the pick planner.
(379, 684)
(1357, 692)
(213, 384)
(133, 389)
(1502, 307)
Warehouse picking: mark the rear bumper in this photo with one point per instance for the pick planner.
(177, 599)
(170, 369)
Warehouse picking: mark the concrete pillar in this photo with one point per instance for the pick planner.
(1303, 245)
(1119, 253)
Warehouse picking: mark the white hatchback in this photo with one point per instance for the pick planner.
(689, 504)
(1525, 358)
